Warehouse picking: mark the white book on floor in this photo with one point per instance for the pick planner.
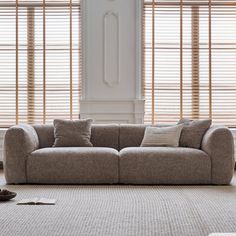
(37, 201)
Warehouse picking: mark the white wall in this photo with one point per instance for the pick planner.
(112, 59)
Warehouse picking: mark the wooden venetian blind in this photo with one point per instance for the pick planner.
(190, 60)
(39, 61)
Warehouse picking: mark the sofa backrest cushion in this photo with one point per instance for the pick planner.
(131, 135)
(105, 136)
(111, 135)
(101, 136)
(45, 135)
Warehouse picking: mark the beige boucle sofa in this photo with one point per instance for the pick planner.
(115, 158)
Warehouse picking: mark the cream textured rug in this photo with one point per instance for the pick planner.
(121, 210)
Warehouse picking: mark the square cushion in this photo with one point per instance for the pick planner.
(162, 136)
(69, 133)
(193, 132)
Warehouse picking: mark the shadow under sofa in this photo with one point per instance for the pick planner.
(115, 158)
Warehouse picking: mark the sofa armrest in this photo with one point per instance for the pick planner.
(19, 141)
(218, 143)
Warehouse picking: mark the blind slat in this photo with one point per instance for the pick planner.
(40, 63)
(193, 74)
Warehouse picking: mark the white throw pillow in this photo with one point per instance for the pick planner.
(162, 137)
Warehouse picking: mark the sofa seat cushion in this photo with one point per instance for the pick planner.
(73, 165)
(164, 165)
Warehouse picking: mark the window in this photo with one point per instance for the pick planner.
(39, 61)
(190, 60)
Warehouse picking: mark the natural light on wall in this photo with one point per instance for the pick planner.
(190, 60)
(39, 60)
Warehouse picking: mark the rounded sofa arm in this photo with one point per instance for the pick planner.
(19, 141)
(218, 143)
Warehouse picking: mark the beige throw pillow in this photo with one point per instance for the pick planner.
(162, 137)
(70, 133)
(193, 132)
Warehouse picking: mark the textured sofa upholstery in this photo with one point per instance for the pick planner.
(115, 158)
(218, 143)
(19, 142)
(73, 165)
(164, 165)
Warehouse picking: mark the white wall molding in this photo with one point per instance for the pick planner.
(112, 61)
(113, 111)
(111, 49)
